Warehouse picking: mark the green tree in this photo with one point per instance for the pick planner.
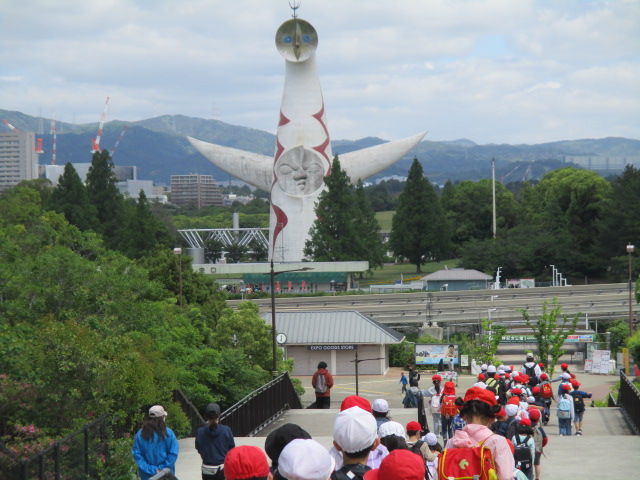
(106, 198)
(333, 234)
(213, 250)
(259, 251)
(235, 251)
(489, 339)
(549, 333)
(70, 197)
(419, 230)
(144, 231)
(368, 245)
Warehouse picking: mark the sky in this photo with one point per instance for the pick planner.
(491, 71)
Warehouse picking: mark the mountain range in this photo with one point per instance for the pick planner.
(158, 148)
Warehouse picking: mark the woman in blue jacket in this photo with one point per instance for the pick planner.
(155, 446)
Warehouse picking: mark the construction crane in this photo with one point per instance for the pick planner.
(37, 148)
(54, 133)
(124, 130)
(95, 142)
(13, 129)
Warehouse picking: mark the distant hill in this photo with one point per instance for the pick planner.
(158, 147)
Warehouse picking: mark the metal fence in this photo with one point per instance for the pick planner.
(195, 419)
(629, 402)
(74, 457)
(261, 407)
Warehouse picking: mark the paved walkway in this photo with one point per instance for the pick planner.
(606, 450)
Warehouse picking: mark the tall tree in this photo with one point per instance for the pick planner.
(70, 197)
(145, 230)
(332, 235)
(368, 242)
(419, 229)
(105, 196)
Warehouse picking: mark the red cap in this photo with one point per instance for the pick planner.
(574, 383)
(541, 365)
(245, 461)
(477, 393)
(524, 378)
(534, 414)
(525, 421)
(516, 391)
(507, 375)
(501, 413)
(436, 378)
(513, 401)
(497, 376)
(566, 386)
(481, 376)
(355, 401)
(399, 463)
(413, 426)
(449, 388)
(564, 366)
(544, 376)
(535, 390)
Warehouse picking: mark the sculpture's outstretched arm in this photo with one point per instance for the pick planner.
(365, 163)
(253, 168)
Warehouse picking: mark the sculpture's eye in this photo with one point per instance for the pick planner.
(306, 38)
(287, 39)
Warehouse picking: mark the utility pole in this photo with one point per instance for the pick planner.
(493, 188)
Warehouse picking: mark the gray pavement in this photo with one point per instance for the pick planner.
(606, 450)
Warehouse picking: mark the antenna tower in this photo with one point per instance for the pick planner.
(95, 142)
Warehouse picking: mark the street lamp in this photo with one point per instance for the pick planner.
(630, 249)
(357, 362)
(273, 311)
(178, 251)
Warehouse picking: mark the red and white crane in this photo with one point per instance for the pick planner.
(95, 142)
(13, 129)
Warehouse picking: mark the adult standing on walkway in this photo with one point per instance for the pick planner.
(213, 442)
(155, 446)
(322, 381)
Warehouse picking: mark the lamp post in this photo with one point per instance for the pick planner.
(273, 311)
(630, 249)
(178, 251)
(357, 362)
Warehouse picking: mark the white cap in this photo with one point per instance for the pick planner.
(157, 411)
(531, 400)
(430, 439)
(491, 369)
(501, 368)
(483, 366)
(305, 459)
(511, 410)
(391, 428)
(566, 376)
(355, 429)
(380, 405)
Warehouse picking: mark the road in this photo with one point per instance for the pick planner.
(602, 301)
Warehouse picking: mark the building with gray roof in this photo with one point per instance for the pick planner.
(334, 337)
(456, 279)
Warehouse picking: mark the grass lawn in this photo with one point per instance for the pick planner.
(384, 219)
(392, 272)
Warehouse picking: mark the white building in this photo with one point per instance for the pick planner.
(18, 158)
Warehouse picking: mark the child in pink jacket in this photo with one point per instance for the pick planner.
(479, 411)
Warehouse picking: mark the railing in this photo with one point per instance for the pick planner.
(190, 411)
(74, 457)
(629, 402)
(261, 407)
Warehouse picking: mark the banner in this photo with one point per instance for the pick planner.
(431, 354)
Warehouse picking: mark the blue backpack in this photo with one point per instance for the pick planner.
(564, 408)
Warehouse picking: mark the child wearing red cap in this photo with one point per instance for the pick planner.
(448, 410)
(399, 465)
(565, 410)
(434, 395)
(525, 448)
(246, 462)
(578, 404)
(479, 408)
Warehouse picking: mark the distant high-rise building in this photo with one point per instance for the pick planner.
(197, 191)
(18, 159)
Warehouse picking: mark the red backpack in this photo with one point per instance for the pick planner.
(545, 390)
(449, 407)
(466, 463)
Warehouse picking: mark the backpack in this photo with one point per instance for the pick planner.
(350, 472)
(522, 453)
(531, 372)
(449, 407)
(546, 390)
(537, 438)
(564, 408)
(466, 463)
(435, 403)
(321, 383)
(415, 448)
(578, 402)
(458, 423)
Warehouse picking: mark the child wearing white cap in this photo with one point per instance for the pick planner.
(304, 459)
(355, 434)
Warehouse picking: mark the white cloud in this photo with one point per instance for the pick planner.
(494, 71)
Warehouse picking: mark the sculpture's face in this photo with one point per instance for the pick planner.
(296, 40)
(299, 171)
